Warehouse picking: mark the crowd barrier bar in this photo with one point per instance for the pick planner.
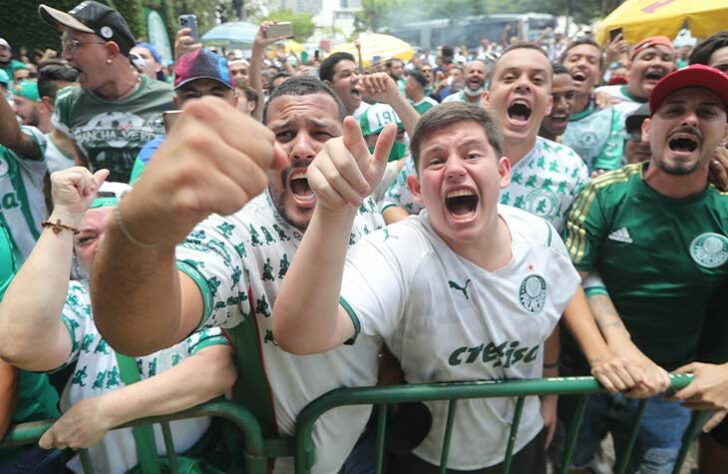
(257, 450)
(452, 392)
(254, 454)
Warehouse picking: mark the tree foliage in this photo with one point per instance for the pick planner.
(303, 24)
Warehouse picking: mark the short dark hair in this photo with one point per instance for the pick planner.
(449, 113)
(326, 70)
(580, 42)
(559, 68)
(390, 62)
(48, 77)
(515, 47)
(705, 49)
(301, 86)
(277, 76)
(250, 94)
(418, 77)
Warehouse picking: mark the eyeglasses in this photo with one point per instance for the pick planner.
(72, 44)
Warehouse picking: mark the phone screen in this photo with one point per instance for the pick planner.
(169, 117)
(614, 33)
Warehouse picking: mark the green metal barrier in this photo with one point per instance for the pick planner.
(254, 454)
(257, 450)
(383, 396)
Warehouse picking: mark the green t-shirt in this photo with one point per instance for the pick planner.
(111, 132)
(597, 136)
(661, 259)
(12, 66)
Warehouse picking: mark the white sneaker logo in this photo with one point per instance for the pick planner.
(621, 235)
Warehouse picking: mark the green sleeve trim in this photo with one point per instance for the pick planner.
(201, 283)
(354, 319)
(387, 206)
(74, 343)
(209, 342)
(548, 243)
(596, 291)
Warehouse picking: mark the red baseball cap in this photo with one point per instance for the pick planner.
(697, 75)
(649, 42)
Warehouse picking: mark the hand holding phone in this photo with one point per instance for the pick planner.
(614, 33)
(190, 21)
(283, 29)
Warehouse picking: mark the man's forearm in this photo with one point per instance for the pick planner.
(406, 113)
(608, 320)
(136, 295)
(256, 81)
(204, 376)
(306, 310)
(32, 335)
(581, 324)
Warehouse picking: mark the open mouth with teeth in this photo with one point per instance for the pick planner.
(559, 120)
(299, 188)
(519, 111)
(461, 204)
(579, 76)
(654, 76)
(683, 144)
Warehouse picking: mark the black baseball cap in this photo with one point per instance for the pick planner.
(92, 17)
(633, 121)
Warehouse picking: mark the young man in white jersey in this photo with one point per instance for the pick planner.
(226, 270)
(457, 293)
(545, 176)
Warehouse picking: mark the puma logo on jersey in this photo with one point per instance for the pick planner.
(621, 235)
(457, 287)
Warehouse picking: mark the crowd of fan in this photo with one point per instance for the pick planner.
(147, 259)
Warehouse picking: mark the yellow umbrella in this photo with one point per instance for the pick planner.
(641, 19)
(294, 47)
(375, 44)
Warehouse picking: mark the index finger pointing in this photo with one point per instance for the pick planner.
(354, 141)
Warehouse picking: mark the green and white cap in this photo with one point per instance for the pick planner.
(110, 194)
(376, 117)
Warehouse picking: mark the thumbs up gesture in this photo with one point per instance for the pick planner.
(344, 172)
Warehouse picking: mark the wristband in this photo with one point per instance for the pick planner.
(58, 226)
(129, 237)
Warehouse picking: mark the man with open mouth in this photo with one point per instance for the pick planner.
(106, 119)
(475, 79)
(595, 134)
(458, 292)
(232, 261)
(650, 61)
(657, 235)
(563, 95)
(545, 176)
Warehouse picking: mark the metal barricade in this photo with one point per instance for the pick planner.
(254, 456)
(257, 451)
(452, 392)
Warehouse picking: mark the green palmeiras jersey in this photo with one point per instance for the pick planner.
(97, 373)
(110, 133)
(21, 195)
(239, 262)
(544, 183)
(661, 259)
(597, 136)
(447, 319)
(424, 105)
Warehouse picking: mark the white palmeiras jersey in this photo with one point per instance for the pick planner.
(447, 319)
(97, 373)
(544, 182)
(21, 195)
(239, 262)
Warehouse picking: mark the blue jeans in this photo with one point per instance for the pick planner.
(35, 460)
(362, 459)
(658, 440)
